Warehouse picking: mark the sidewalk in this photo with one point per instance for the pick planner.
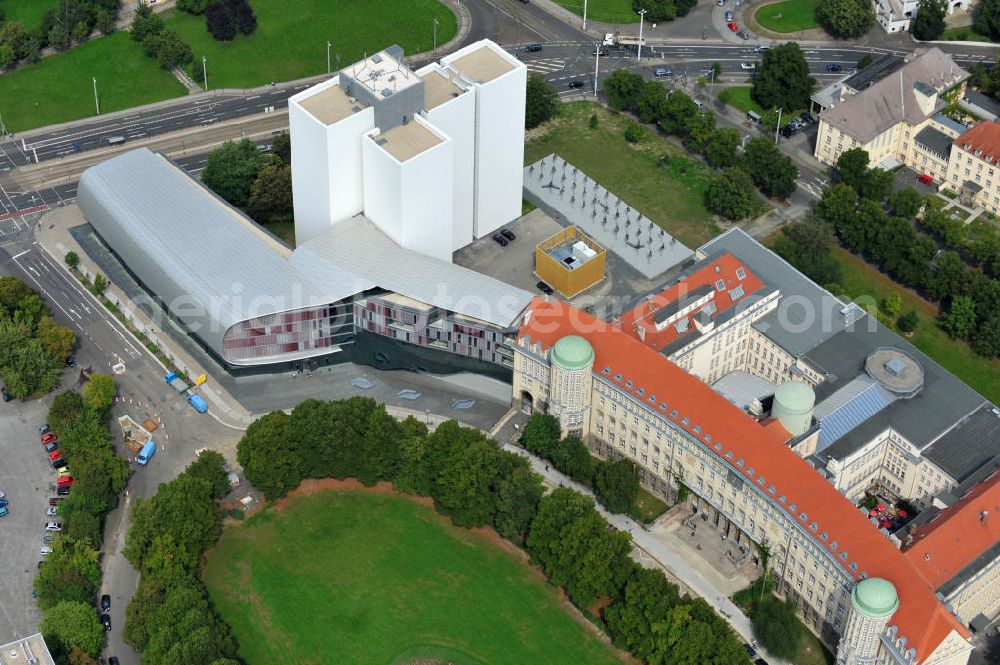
(659, 550)
(52, 234)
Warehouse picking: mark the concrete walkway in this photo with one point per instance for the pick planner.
(653, 545)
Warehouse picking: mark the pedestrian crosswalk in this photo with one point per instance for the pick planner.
(546, 66)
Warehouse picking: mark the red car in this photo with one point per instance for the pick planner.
(49, 437)
(54, 455)
(926, 179)
(65, 481)
(733, 27)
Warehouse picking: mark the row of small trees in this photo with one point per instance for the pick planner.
(170, 619)
(33, 347)
(476, 484)
(70, 576)
(731, 192)
(74, 21)
(159, 42)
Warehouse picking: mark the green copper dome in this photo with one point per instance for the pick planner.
(573, 353)
(875, 597)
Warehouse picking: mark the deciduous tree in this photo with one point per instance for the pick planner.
(732, 194)
(622, 88)
(540, 102)
(846, 18)
(73, 623)
(783, 80)
(99, 394)
(232, 168)
(929, 22)
(616, 484)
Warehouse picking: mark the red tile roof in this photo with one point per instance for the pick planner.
(957, 535)
(920, 617)
(723, 268)
(984, 137)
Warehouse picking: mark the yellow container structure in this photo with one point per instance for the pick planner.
(570, 261)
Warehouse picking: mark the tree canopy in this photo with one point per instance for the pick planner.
(846, 18)
(783, 80)
(732, 194)
(232, 168)
(929, 23)
(540, 102)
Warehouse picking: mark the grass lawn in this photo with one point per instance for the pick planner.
(738, 96)
(289, 44)
(862, 280)
(647, 507)
(27, 12)
(966, 34)
(345, 577)
(610, 11)
(672, 195)
(788, 16)
(59, 88)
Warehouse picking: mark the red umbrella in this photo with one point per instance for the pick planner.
(881, 507)
(872, 513)
(902, 513)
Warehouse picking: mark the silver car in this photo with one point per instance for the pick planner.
(729, 17)
(53, 526)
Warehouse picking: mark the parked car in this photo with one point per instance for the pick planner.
(49, 437)
(113, 660)
(62, 490)
(53, 526)
(48, 538)
(106, 620)
(833, 67)
(575, 85)
(65, 481)
(54, 501)
(807, 119)
(43, 429)
(732, 26)
(51, 512)
(105, 603)
(54, 455)
(51, 446)
(545, 288)
(6, 395)
(729, 17)
(71, 361)
(509, 235)
(926, 179)
(4, 503)
(750, 650)
(788, 130)
(748, 66)
(500, 240)
(45, 549)
(63, 473)
(59, 464)
(743, 35)
(663, 72)
(3, 511)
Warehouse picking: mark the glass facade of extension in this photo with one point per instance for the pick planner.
(296, 334)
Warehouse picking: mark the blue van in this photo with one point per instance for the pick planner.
(146, 453)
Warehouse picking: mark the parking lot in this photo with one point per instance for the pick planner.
(26, 478)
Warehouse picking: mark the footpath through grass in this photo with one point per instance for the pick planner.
(60, 88)
(27, 12)
(609, 11)
(344, 577)
(788, 16)
(668, 191)
(861, 280)
(290, 42)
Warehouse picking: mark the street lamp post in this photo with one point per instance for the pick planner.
(711, 81)
(642, 15)
(777, 127)
(97, 103)
(435, 34)
(328, 56)
(584, 14)
(204, 71)
(597, 65)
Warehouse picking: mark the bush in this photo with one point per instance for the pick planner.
(540, 102)
(908, 322)
(220, 22)
(72, 259)
(776, 626)
(634, 132)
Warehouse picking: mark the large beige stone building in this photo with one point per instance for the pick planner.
(973, 171)
(886, 118)
(849, 582)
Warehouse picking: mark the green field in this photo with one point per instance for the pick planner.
(291, 44)
(59, 88)
(357, 577)
(671, 194)
(738, 96)
(646, 507)
(609, 11)
(27, 12)
(862, 280)
(788, 16)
